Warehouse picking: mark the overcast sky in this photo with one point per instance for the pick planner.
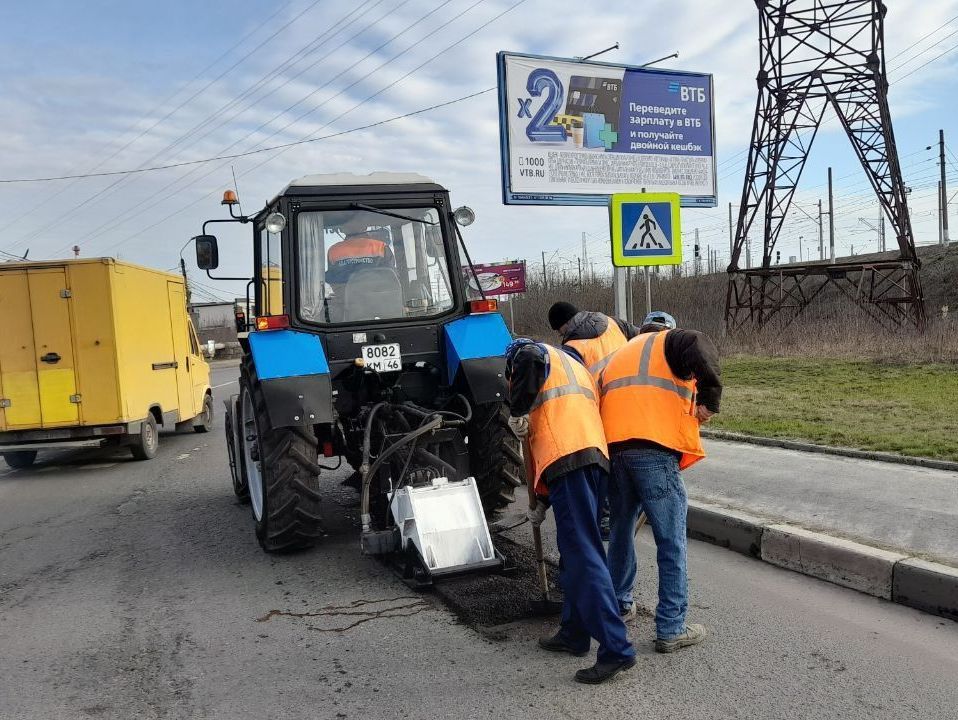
(114, 84)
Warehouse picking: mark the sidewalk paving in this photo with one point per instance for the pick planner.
(913, 510)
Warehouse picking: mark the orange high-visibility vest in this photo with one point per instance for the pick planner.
(641, 399)
(357, 249)
(564, 418)
(598, 351)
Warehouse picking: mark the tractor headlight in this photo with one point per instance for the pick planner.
(464, 216)
(275, 223)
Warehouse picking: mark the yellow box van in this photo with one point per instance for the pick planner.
(96, 352)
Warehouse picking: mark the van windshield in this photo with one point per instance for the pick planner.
(357, 265)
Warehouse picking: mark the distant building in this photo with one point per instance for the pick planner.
(215, 321)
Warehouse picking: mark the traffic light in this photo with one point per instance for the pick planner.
(778, 256)
(240, 322)
(697, 250)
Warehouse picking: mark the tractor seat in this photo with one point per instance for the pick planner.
(373, 293)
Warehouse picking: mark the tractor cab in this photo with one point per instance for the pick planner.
(373, 340)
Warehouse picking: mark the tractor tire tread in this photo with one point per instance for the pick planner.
(292, 518)
(495, 459)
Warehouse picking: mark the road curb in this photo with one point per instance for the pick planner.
(726, 528)
(927, 586)
(829, 450)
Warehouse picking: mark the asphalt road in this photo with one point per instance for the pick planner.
(900, 507)
(137, 590)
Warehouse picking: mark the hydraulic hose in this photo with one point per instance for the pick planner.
(368, 475)
(367, 437)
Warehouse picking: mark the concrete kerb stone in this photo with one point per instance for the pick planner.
(923, 585)
(843, 562)
(726, 528)
(927, 586)
(829, 450)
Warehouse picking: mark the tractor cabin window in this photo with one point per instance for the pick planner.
(357, 265)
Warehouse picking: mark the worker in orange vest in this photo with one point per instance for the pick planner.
(655, 392)
(592, 337)
(358, 249)
(553, 401)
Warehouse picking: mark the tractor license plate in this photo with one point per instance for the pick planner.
(383, 358)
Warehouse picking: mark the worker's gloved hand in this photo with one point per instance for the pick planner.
(519, 425)
(538, 514)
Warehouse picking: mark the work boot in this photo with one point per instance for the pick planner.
(602, 671)
(627, 611)
(693, 635)
(557, 643)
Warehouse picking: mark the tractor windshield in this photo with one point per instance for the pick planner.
(357, 265)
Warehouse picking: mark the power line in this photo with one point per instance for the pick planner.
(106, 190)
(309, 138)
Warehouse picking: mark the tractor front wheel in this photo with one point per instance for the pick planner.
(282, 474)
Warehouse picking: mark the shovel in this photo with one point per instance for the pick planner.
(544, 605)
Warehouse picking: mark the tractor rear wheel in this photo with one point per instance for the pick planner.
(282, 474)
(495, 459)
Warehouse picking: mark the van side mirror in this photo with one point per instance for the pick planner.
(207, 252)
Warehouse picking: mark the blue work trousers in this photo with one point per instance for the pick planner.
(589, 609)
(649, 479)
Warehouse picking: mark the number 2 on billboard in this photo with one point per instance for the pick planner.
(538, 129)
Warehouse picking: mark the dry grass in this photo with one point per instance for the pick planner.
(832, 328)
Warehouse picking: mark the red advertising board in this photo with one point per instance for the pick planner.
(503, 278)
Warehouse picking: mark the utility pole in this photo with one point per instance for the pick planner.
(821, 233)
(186, 280)
(585, 252)
(698, 254)
(944, 189)
(545, 278)
(731, 232)
(748, 252)
(941, 240)
(881, 225)
(580, 271)
(831, 218)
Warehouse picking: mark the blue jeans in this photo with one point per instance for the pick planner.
(589, 609)
(649, 479)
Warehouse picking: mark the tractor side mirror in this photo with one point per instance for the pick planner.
(207, 252)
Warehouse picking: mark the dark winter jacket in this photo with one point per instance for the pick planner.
(528, 376)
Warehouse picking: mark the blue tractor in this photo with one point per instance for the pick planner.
(371, 341)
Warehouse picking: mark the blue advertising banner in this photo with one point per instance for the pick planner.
(574, 133)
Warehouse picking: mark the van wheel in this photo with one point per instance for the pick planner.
(20, 459)
(204, 421)
(145, 444)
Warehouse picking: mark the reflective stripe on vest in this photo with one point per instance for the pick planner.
(564, 418)
(643, 377)
(598, 351)
(642, 399)
(354, 248)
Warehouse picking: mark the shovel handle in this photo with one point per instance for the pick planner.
(536, 531)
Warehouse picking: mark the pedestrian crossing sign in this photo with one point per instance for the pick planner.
(646, 229)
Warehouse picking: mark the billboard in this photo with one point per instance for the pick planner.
(574, 133)
(504, 278)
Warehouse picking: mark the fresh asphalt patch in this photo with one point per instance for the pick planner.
(488, 600)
